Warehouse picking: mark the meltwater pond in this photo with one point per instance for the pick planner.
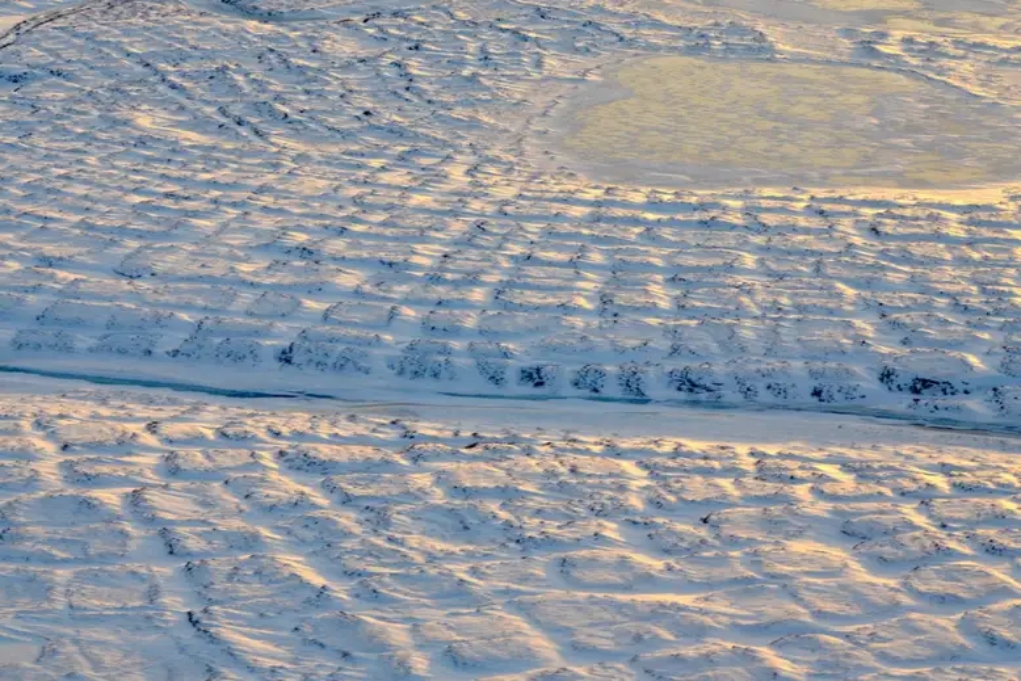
(709, 122)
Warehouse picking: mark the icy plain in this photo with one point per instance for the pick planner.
(547, 419)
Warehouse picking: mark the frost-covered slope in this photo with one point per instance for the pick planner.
(151, 537)
(335, 198)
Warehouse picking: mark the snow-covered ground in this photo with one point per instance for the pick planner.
(313, 196)
(147, 535)
(563, 421)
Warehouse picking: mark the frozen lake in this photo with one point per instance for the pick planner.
(850, 93)
(878, 12)
(718, 122)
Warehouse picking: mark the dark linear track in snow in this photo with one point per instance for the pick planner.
(164, 385)
(11, 36)
(887, 417)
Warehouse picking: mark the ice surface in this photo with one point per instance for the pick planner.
(693, 122)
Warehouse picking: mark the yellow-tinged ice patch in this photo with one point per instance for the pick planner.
(774, 123)
(866, 5)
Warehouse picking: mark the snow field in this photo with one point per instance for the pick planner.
(351, 201)
(147, 536)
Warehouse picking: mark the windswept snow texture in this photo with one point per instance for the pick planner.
(152, 537)
(339, 198)
(369, 200)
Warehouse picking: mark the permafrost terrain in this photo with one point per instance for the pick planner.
(321, 198)
(155, 537)
(393, 202)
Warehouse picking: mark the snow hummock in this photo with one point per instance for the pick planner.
(318, 197)
(156, 536)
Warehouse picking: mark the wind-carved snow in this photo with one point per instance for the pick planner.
(260, 197)
(150, 537)
(368, 201)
